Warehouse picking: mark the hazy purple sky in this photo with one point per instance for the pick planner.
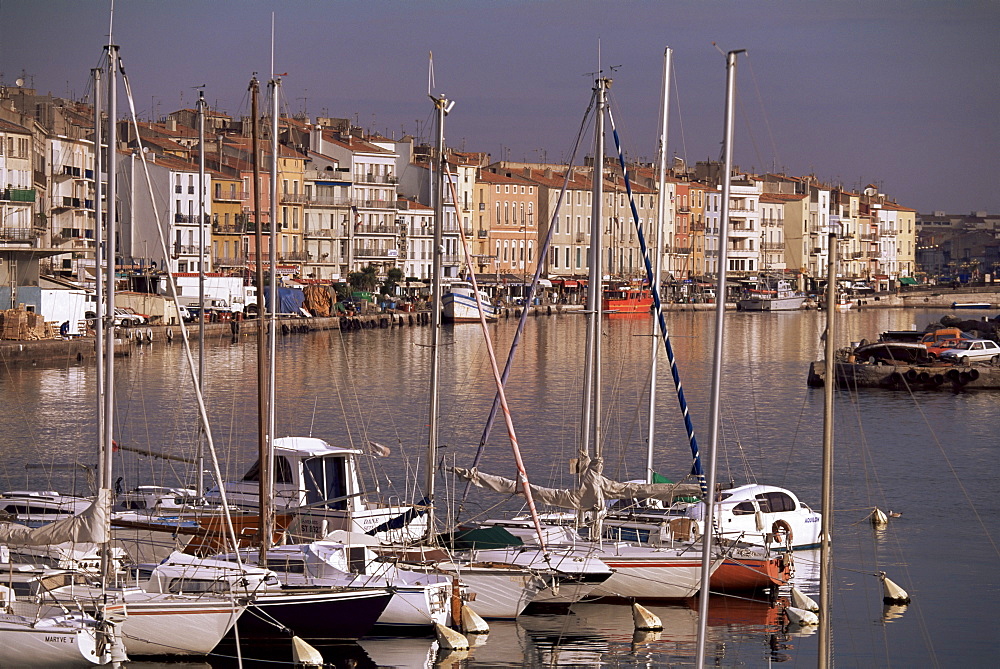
(905, 94)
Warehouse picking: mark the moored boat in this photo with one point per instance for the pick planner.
(459, 304)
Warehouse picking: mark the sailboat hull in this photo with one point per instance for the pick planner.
(647, 573)
(50, 642)
(312, 614)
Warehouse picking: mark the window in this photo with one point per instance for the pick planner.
(744, 509)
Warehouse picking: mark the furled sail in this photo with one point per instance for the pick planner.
(592, 494)
(89, 526)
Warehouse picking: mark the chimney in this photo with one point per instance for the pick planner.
(172, 124)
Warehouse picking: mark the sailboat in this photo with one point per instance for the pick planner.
(639, 571)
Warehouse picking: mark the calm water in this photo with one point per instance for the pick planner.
(931, 457)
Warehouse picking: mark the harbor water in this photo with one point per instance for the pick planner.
(930, 457)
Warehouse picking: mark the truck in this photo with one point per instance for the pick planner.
(227, 293)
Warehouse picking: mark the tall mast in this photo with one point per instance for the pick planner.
(98, 254)
(442, 105)
(272, 259)
(263, 446)
(200, 459)
(826, 541)
(110, 248)
(661, 212)
(720, 312)
(590, 421)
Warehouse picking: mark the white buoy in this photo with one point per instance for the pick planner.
(878, 518)
(801, 616)
(304, 655)
(449, 639)
(644, 619)
(472, 622)
(800, 600)
(892, 593)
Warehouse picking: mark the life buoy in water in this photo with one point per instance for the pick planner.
(782, 532)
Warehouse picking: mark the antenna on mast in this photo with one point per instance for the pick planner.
(430, 73)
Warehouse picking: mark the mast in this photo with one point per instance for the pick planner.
(658, 259)
(273, 283)
(720, 312)
(826, 542)
(98, 255)
(200, 458)
(442, 105)
(110, 246)
(263, 445)
(590, 420)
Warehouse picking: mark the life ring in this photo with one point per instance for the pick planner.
(781, 527)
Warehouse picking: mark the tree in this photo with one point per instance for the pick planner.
(365, 280)
(392, 279)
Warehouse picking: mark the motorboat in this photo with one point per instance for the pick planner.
(779, 296)
(319, 484)
(459, 304)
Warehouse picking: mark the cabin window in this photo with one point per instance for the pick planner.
(774, 502)
(356, 559)
(325, 482)
(744, 509)
(282, 471)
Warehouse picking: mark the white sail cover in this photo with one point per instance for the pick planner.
(92, 525)
(594, 491)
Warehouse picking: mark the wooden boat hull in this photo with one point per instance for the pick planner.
(640, 305)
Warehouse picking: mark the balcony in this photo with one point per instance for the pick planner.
(375, 252)
(232, 196)
(17, 194)
(482, 234)
(773, 246)
(697, 227)
(293, 256)
(229, 261)
(228, 229)
(328, 201)
(682, 250)
(66, 202)
(186, 218)
(375, 179)
(18, 234)
(185, 250)
(376, 204)
(293, 198)
(581, 237)
(376, 230)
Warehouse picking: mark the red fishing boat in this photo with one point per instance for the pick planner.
(627, 298)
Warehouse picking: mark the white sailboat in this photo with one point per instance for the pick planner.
(638, 571)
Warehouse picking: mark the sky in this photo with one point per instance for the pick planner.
(901, 94)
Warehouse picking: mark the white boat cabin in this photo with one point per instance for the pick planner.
(320, 484)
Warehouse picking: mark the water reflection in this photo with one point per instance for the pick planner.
(892, 448)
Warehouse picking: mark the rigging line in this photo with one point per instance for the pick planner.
(522, 473)
(192, 368)
(680, 118)
(749, 129)
(542, 253)
(658, 306)
(763, 109)
(872, 471)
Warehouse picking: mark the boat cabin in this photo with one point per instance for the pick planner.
(320, 484)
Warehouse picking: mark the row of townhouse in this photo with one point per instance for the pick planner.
(345, 200)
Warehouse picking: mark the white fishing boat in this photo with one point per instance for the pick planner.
(771, 295)
(459, 304)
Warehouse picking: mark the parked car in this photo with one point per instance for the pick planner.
(973, 350)
(943, 340)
